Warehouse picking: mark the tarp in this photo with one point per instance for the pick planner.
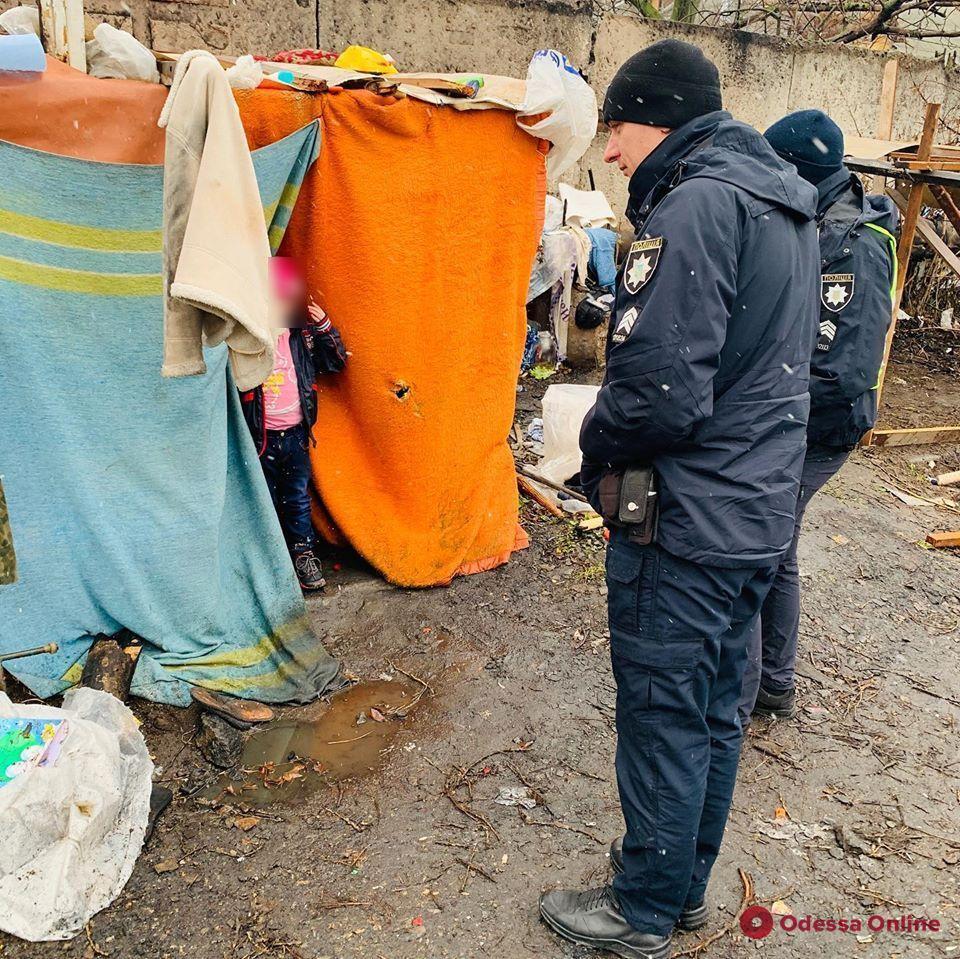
(135, 501)
(417, 228)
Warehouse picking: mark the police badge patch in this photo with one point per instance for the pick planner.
(642, 260)
(836, 290)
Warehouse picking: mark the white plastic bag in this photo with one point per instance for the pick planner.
(116, 55)
(564, 407)
(19, 20)
(554, 86)
(71, 831)
(245, 74)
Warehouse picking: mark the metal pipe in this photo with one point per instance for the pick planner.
(36, 651)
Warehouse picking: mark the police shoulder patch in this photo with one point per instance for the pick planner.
(836, 290)
(625, 324)
(642, 261)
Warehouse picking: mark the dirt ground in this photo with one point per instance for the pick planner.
(852, 810)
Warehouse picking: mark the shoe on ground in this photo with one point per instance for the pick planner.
(593, 918)
(779, 705)
(693, 916)
(309, 571)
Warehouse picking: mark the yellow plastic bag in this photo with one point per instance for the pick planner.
(365, 60)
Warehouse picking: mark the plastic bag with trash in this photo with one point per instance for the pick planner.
(74, 803)
(555, 87)
(116, 55)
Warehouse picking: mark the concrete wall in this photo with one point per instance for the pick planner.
(764, 77)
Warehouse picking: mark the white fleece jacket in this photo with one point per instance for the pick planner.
(215, 246)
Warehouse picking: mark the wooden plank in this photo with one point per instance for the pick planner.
(63, 31)
(941, 540)
(907, 233)
(929, 234)
(527, 487)
(893, 172)
(76, 35)
(917, 437)
(888, 101)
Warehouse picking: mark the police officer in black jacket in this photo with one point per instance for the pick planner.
(858, 263)
(707, 384)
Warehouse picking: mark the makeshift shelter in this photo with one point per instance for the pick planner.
(137, 501)
(417, 228)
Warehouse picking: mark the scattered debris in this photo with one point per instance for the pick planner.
(516, 796)
(220, 742)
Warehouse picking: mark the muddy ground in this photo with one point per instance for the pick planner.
(850, 811)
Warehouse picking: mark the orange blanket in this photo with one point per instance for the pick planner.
(66, 112)
(417, 228)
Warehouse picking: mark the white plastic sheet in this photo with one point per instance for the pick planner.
(555, 87)
(71, 832)
(116, 55)
(564, 407)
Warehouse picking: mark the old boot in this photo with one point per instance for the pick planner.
(780, 705)
(693, 915)
(309, 570)
(593, 918)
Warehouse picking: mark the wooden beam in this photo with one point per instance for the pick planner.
(917, 437)
(929, 234)
(888, 102)
(526, 486)
(893, 172)
(907, 232)
(63, 31)
(941, 540)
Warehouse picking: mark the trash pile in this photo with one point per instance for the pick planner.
(574, 274)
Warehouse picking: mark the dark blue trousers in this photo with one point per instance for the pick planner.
(678, 635)
(772, 645)
(286, 465)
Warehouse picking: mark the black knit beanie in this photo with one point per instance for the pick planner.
(666, 85)
(811, 141)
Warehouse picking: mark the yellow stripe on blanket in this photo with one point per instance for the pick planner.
(81, 237)
(80, 281)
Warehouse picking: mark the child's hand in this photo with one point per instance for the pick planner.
(318, 317)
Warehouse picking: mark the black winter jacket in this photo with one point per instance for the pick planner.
(858, 273)
(709, 352)
(312, 353)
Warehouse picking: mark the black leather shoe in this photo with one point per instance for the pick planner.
(593, 918)
(780, 705)
(693, 916)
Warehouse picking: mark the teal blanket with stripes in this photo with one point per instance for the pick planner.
(135, 501)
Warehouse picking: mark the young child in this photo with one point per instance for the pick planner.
(281, 412)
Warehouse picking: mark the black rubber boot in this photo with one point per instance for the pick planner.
(780, 705)
(309, 571)
(593, 918)
(693, 916)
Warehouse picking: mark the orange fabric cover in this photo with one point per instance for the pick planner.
(417, 229)
(66, 112)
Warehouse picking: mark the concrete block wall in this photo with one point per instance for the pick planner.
(764, 77)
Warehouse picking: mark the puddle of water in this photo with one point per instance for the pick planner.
(286, 760)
